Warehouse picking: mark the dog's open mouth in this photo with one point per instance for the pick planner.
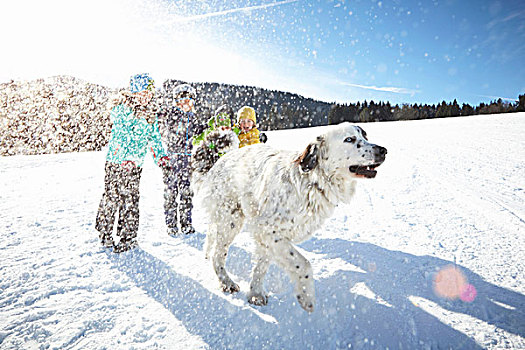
(367, 171)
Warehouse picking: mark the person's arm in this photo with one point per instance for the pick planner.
(199, 131)
(116, 147)
(114, 115)
(155, 145)
(164, 119)
(199, 128)
(198, 138)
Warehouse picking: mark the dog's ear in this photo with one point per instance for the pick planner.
(363, 132)
(309, 159)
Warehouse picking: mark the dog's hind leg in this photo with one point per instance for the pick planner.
(257, 295)
(299, 269)
(211, 240)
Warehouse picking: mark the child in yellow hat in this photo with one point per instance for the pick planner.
(247, 126)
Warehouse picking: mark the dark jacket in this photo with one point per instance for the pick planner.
(178, 129)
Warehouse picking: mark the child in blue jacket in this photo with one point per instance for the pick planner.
(135, 130)
(179, 125)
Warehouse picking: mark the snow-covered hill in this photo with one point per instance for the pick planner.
(451, 194)
(53, 115)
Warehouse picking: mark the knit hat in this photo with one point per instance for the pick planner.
(246, 112)
(222, 117)
(184, 90)
(141, 82)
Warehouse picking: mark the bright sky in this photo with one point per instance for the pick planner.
(413, 51)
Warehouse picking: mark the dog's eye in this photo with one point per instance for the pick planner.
(350, 139)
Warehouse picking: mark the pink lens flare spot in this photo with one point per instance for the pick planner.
(468, 293)
(449, 282)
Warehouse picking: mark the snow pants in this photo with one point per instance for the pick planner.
(120, 198)
(177, 183)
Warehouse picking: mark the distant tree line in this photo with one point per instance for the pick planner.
(384, 111)
(275, 109)
(282, 110)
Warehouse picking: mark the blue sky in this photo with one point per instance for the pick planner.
(346, 51)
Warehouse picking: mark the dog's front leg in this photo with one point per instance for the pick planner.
(224, 239)
(257, 294)
(299, 269)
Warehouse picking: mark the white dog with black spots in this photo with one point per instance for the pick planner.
(281, 198)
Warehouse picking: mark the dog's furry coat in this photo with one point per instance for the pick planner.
(282, 198)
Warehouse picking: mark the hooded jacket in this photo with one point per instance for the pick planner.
(135, 129)
(179, 129)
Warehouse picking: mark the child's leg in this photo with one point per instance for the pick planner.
(186, 200)
(108, 204)
(170, 199)
(186, 206)
(128, 222)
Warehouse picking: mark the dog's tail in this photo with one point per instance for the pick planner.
(208, 152)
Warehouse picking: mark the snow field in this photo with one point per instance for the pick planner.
(451, 193)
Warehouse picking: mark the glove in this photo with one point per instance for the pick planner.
(128, 165)
(164, 162)
(263, 138)
(197, 139)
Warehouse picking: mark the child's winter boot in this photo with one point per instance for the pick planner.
(187, 228)
(125, 245)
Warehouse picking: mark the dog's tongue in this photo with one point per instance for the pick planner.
(363, 171)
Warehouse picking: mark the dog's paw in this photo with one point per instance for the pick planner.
(306, 301)
(258, 299)
(230, 287)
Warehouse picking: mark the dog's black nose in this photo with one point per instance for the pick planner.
(381, 150)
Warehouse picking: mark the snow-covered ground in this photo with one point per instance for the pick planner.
(451, 193)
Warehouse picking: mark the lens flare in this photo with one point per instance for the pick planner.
(451, 283)
(468, 293)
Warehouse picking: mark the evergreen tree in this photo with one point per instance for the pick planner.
(521, 104)
(467, 109)
(454, 109)
(364, 115)
(443, 110)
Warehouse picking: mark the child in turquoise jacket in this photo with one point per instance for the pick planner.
(135, 130)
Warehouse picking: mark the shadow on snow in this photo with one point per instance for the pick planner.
(396, 276)
(341, 318)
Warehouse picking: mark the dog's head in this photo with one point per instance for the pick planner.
(344, 150)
